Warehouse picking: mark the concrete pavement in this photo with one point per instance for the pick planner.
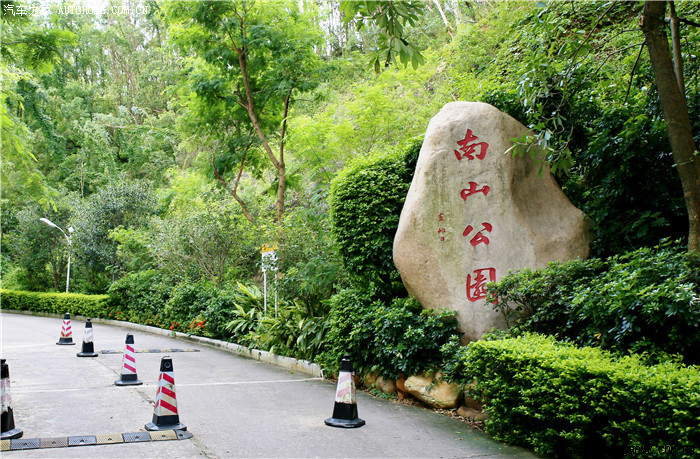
(233, 406)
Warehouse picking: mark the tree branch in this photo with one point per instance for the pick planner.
(585, 40)
(234, 191)
(634, 67)
(689, 22)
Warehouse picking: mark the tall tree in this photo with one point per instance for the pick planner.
(251, 60)
(106, 100)
(27, 51)
(675, 109)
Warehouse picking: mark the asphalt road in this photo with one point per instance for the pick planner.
(233, 406)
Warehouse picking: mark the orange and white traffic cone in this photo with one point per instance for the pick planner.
(165, 415)
(66, 332)
(128, 376)
(345, 409)
(8, 418)
(88, 346)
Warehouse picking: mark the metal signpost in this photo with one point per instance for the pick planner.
(269, 263)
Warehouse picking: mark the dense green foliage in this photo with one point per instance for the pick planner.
(55, 303)
(386, 337)
(565, 401)
(365, 201)
(646, 301)
(231, 313)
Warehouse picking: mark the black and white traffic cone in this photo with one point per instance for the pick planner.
(345, 409)
(8, 418)
(165, 415)
(128, 376)
(66, 332)
(88, 346)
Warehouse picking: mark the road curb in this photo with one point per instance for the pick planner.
(290, 363)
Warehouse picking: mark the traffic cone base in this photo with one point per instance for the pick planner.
(9, 431)
(86, 354)
(11, 434)
(128, 380)
(165, 423)
(335, 422)
(345, 415)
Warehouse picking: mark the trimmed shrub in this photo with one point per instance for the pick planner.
(140, 297)
(56, 303)
(366, 200)
(646, 301)
(393, 338)
(565, 401)
(152, 298)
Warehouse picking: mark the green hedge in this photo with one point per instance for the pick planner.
(579, 402)
(57, 303)
(365, 202)
(645, 301)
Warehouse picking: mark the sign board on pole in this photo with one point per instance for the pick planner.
(269, 258)
(269, 263)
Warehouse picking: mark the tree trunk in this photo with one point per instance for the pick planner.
(448, 27)
(250, 107)
(676, 41)
(675, 112)
(282, 169)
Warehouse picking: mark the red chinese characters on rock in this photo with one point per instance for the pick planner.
(467, 149)
(441, 231)
(465, 193)
(471, 149)
(476, 285)
(479, 238)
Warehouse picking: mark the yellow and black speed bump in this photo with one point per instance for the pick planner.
(85, 440)
(53, 442)
(158, 435)
(24, 443)
(106, 439)
(136, 437)
(82, 440)
(148, 351)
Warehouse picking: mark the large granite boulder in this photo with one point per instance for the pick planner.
(474, 212)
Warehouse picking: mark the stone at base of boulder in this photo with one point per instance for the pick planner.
(386, 385)
(401, 387)
(433, 392)
(472, 414)
(473, 404)
(369, 379)
(374, 381)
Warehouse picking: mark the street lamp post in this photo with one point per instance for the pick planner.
(68, 239)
